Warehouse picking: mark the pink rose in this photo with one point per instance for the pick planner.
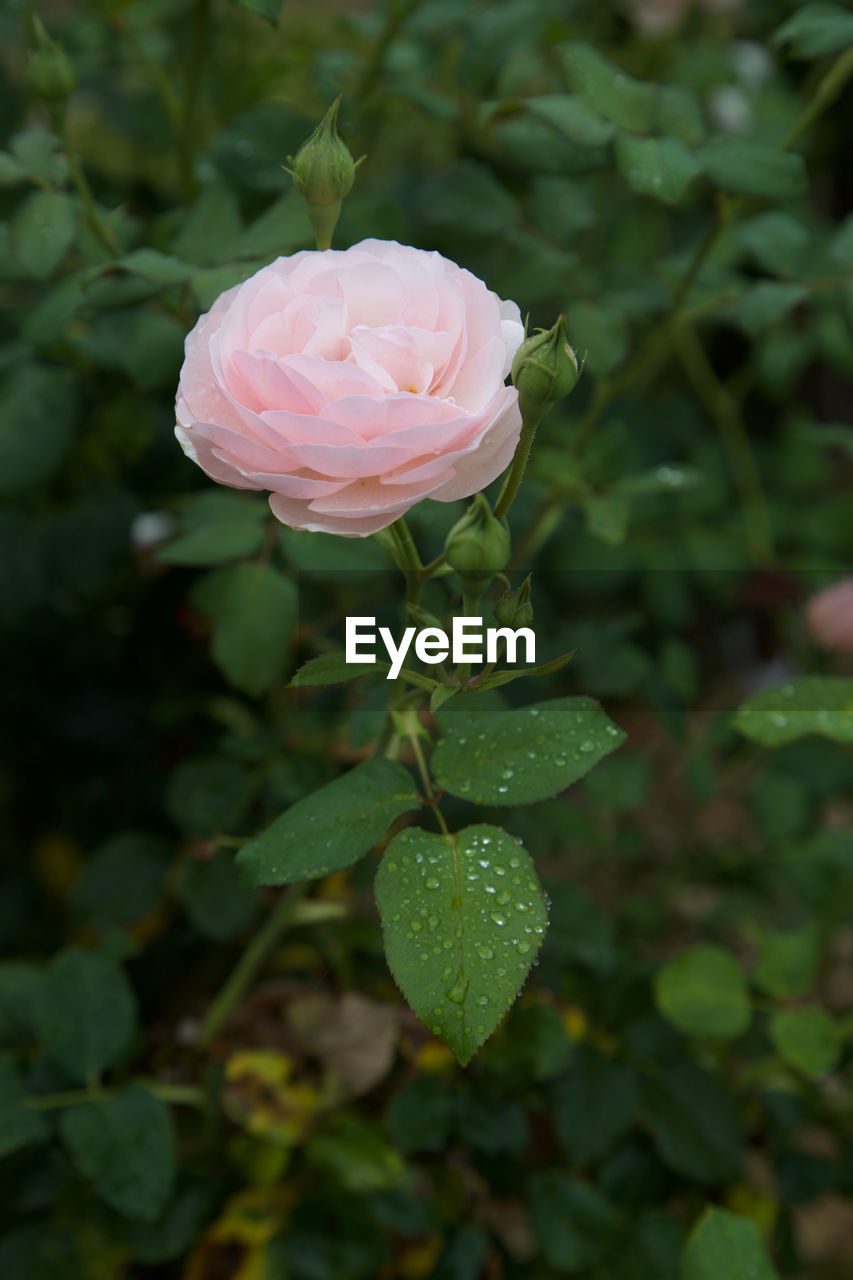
(352, 384)
(829, 616)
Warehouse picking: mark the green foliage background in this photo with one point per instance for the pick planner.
(673, 1088)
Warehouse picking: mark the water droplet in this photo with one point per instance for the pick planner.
(458, 990)
(500, 871)
(433, 883)
(481, 1029)
(498, 917)
(485, 953)
(587, 745)
(508, 773)
(484, 862)
(503, 790)
(432, 924)
(415, 925)
(515, 862)
(482, 1000)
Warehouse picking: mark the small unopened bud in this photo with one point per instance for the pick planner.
(323, 172)
(478, 546)
(545, 369)
(514, 608)
(50, 74)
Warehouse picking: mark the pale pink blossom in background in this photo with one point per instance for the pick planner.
(829, 616)
(351, 384)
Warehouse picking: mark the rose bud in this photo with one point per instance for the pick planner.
(545, 369)
(323, 172)
(478, 546)
(514, 608)
(829, 616)
(50, 74)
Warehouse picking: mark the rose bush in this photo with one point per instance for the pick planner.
(352, 384)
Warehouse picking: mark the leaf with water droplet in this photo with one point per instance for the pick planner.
(525, 755)
(333, 827)
(465, 999)
(808, 704)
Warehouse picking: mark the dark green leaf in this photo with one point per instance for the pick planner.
(598, 331)
(787, 961)
(121, 883)
(86, 1012)
(519, 757)
(753, 168)
(19, 984)
(703, 992)
(269, 9)
(627, 102)
(574, 1224)
(216, 527)
(722, 1244)
(211, 231)
(776, 240)
(806, 1039)
(42, 230)
(572, 118)
(39, 151)
(253, 610)
(11, 170)
(463, 917)
(607, 516)
(331, 828)
(161, 268)
(36, 419)
(216, 899)
(594, 1106)
(815, 30)
(659, 167)
(766, 303)
(809, 704)
(284, 226)
(693, 1122)
(208, 795)
(19, 1126)
(333, 668)
(680, 114)
(126, 1146)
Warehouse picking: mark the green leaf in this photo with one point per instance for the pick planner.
(629, 103)
(216, 527)
(572, 118)
(659, 167)
(284, 227)
(19, 1127)
(86, 1012)
(463, 916)
(693, 1122)
(806, 1039)
(594, 1106)
(269, 9)
(816, 29)
(36, 420)
(208, 795)
(253, 610)
(121, 883)
(126, 1146)
(574, 1224)
(212, 229)
(808, 704)
(11, 170)
(216, 899)
(42, 230)
(331, 828)
(679, 114)
(766, 303)
(519, 757)
(601, 332)
(19, 984)
(753, 168)
(703, 992)
(724, 1245)
(39, 151)
(787, 961)
(495, 679)
(333, 668)
(607, 516)
(160, 268)
(776, 240)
